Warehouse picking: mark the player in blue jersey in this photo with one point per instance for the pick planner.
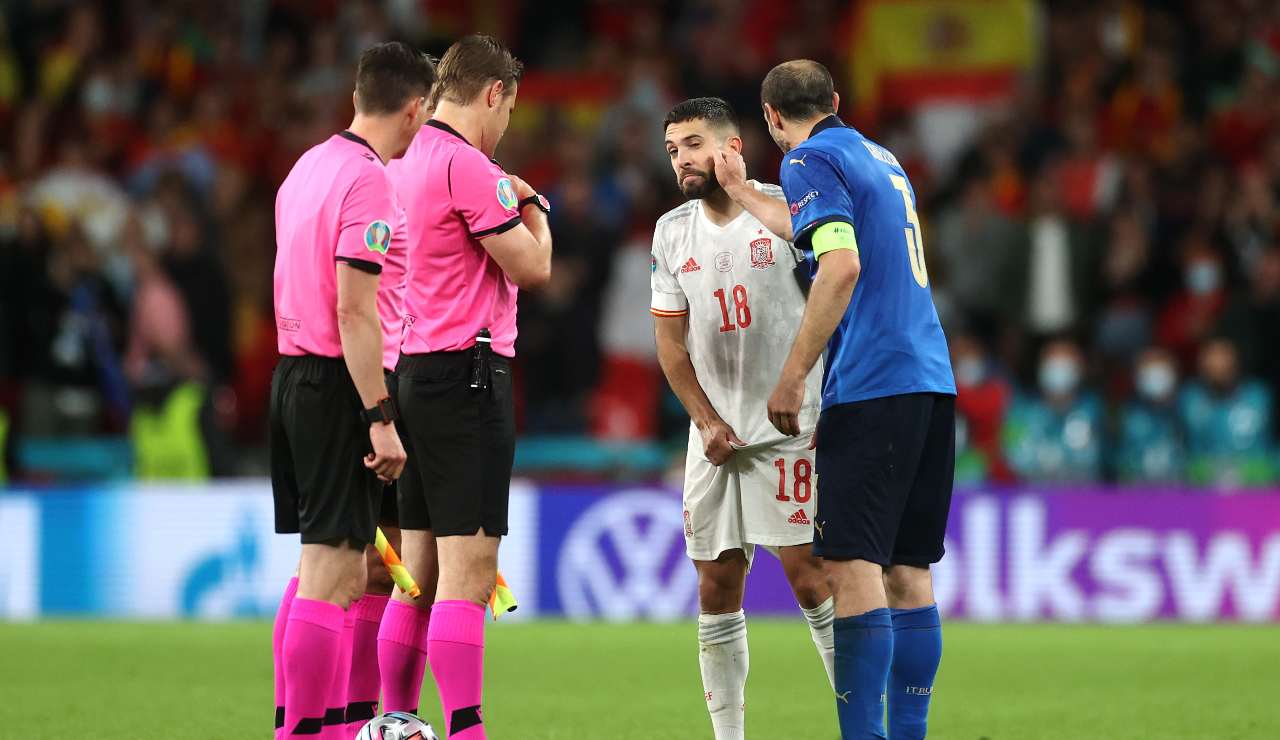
(886, 434)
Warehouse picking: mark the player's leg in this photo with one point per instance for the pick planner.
(808, 581)
(714, 541)
(277, 649)
(778, 486)
(722, 641)
(466, 451)
(402, 636)
(864, 452)
(917, 630)
(337, 511)
(285, 493)
(335, 713)
(364, 684)
(468, 569)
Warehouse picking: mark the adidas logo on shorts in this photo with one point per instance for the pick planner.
(799, 518)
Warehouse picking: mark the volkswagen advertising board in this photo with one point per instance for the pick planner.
(617, 553)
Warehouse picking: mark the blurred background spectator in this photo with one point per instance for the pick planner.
(1056, 434)
(1151, 444)
(1228, 421)
(1102, 171)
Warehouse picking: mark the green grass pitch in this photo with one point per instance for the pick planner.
(556, 680)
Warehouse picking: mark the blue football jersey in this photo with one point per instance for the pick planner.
(890, 341)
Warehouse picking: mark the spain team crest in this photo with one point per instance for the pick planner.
(762, 253)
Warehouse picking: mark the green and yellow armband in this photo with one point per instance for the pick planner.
(832, 236)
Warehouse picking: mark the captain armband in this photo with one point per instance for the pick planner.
(832, 236)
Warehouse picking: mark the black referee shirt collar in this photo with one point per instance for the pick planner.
(433, 123)
(831, 121)
(359, 140)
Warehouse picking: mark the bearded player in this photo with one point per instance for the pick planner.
(727, 305)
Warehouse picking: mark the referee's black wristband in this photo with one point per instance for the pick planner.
(538, 200)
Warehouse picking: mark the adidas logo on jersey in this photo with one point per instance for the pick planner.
(799, 518)
(690, 266)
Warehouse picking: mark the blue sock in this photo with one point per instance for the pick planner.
(864, 650)
(917, 649)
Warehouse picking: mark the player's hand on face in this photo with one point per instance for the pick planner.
(731, 169)
(784, 406)
(388, 456)
(718, 439)
(521, 187)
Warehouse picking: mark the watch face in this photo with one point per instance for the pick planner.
(542, 200)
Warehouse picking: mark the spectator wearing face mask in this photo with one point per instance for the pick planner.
(982, 399)
(1189, 317)
(1228, 422)
(1150, 445)
(1056, 435)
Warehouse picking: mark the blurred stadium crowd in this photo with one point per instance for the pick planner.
(1099, 183)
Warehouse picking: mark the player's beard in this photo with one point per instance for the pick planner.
(709, 185)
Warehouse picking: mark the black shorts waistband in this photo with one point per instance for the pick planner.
(315, 366)
(409, 364)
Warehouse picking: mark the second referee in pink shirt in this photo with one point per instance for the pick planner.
(476, 235)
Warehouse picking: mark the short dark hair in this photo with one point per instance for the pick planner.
(472, 64)
(715, 111)
(799, 89)
(390, 75)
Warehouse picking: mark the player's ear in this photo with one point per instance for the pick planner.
(355, 100)
(494, 98)
(734, 143)
(835, 102)
(771, 116)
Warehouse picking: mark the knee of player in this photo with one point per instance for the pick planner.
(908, 585)
(811, 590)
(717, 596)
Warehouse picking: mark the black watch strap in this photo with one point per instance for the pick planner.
(538, 200)
(384, 412)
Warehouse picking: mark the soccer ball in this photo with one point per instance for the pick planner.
(397, 726)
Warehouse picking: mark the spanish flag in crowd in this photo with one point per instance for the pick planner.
(907, 52)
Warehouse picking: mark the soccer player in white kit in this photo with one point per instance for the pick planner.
(727, 306)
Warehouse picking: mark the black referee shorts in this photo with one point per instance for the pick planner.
(461, 444)
(318, 442)
(885, 470)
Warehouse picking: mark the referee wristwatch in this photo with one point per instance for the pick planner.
(539, 200)
(383, 413)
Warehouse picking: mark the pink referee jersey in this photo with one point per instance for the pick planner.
(454, 195)
(336, 205)
(392, 287)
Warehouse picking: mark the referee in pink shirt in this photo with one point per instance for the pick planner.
(476, 235)
(333, 443)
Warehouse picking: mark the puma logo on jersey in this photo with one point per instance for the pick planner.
(844, 697)
(690, 266)
(799, 161)
(799, 518)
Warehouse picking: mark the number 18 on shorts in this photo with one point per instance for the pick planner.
(760, 496)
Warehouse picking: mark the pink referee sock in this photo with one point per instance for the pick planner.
(363, 684)
(456, 654)
(402, 656)
(277, 650)
(312, 642)
(335, 711)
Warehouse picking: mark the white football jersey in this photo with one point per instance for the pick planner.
(736, 284)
